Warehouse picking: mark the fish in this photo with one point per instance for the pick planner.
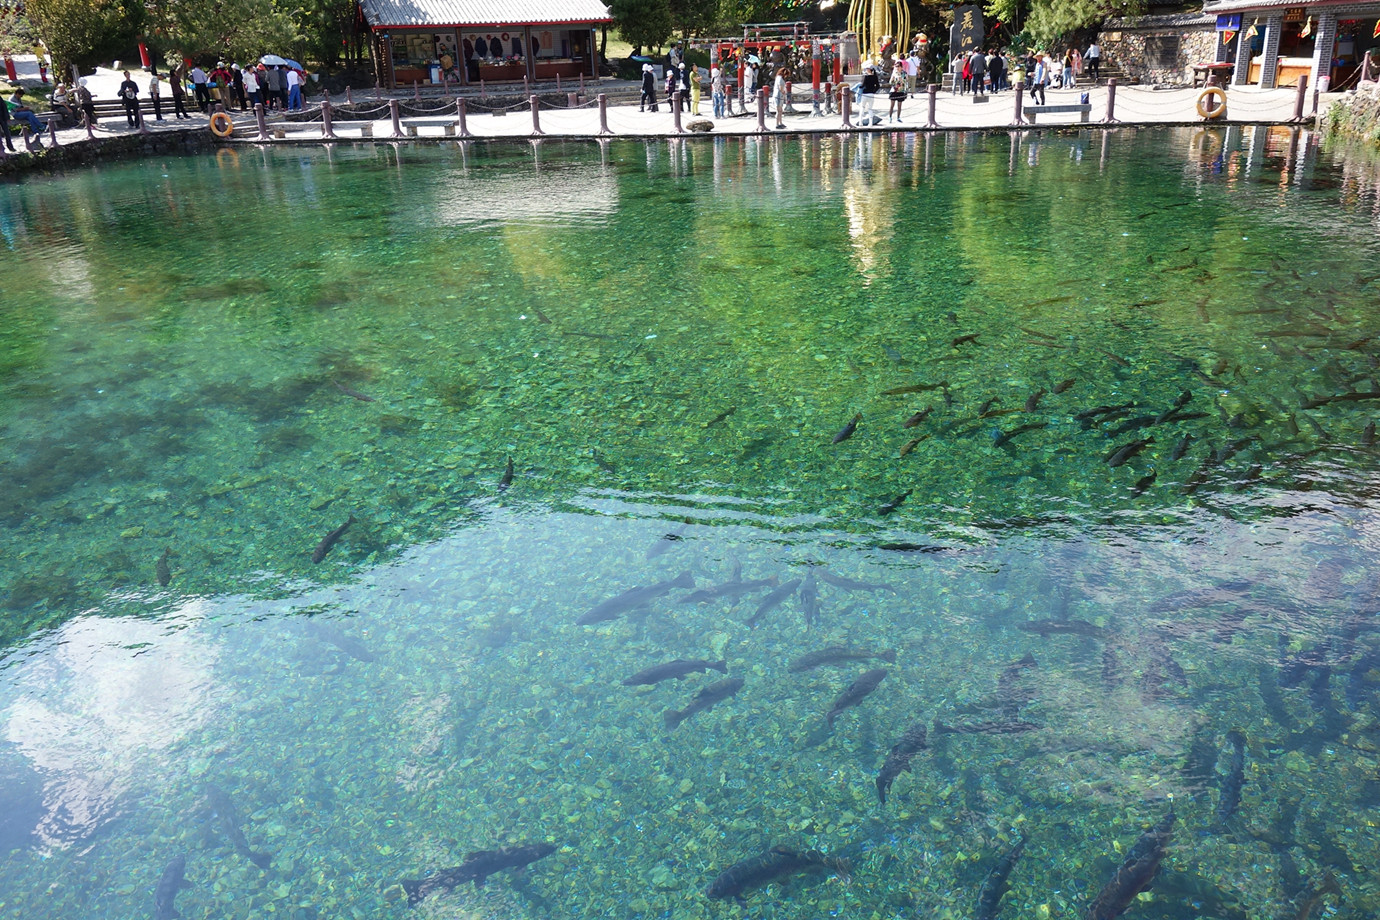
(894, 355)
(906, 547)
(1095, 411)
(347, 644)
(965, 339)
(1306, 905)
(1047, 628)
(169, 885)
(1368, 434)
(1218, 368)
(330, 540)
(1250, 477)
(223, 810)
(703, 701)
(1032, 401)
(633, 598)
(995, 884)
(1006, 436)
(477, 868)
(983, 409)
(674, 670)
(542, 317)
(761, 870)
(837, 654)
(353, 394)
(809, 598)
(1035, 332)
(1117, 358)
(911, 445)
(162, 569)
(1127, 451)
(1230, 785)
(895, 503)
(1013, 690)
(1181, 448)
(728, 589)
(506, 479)
(721, 416)
(848, 584)
(915, 388)
(774, 600)
(1064, 298)
(1135, 873)
(591, 335)
(666, 540)
(1140, 421)
(857, 691)
(918, 417)
(898, 759)
(994, 727)
(1144, 483)
(1063, 385)
(996, 413)
(847, 431)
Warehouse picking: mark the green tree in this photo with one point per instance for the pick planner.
(83, 33)
(327, 28)
(642, 23)
(1045, 21)
(240, 30)
(17, 35)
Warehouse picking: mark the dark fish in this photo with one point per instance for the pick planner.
(1047, 628)
(809, 599)
(911, 445)
(983, 409)
(667, 540)
(898, 758)
(1117, 358)
(774, 600)
(506, 479)
(1035, 332)
(918, 417)
(857, 691)
(995, 885)
(893, 354)
(1144, 483)
(729, 589)
(848, 584)
(353, 394)
(895, 503)
(1063, 385)
(915, 388)
(168, 886)
(1032, 401)
(1217, 369)
(223, 810)
(721, 416)
(1006, 436)
(1135, 873)
(347, 644)
(542, 317)
(633, 598)
(1095, 411)
(995, 727)
(162, 569)
(1250, 477)
(476, 868)
(330, 540)
(847, 431)
(1181, 448)
(704, 700)
(1307, 905)
(1140, 421)
(965, 339)
(904, 547)
(996, 413)
(1368, 434)
(779, 861)
(591, 335)
(837, 654)
(674, 670)
(1127, 451)
(1065, 298)
(1231, 783)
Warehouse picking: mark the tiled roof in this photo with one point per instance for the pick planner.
(1175, 21)
(1247, 6)
(482, 12)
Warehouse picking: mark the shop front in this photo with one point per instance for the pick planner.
(468, 43)
(1279, 42)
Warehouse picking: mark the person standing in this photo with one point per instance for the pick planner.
(276, 88)
(1067, 82)
(199, 87)
(129, 96)
(897, 96)
(912, 70)
(869, 88)
(977, 65)
(294, 90)
(237, 95)
(5, 126)
(85, 102)
(693, 75)
(1093, 59)
(648, 102)
(251, 87)
(778, 91)
(749, 83)
(155, 95)
(716, 89)
(179, 93)
(1039, 77)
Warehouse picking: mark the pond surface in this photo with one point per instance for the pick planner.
(1071, 431)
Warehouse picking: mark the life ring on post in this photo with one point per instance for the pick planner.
(1212, 112)
(221, 125)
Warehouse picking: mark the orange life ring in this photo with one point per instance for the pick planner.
(1216, 111)
(221, 125)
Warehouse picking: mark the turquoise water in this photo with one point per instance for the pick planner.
(209, 364)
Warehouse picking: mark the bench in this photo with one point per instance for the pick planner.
(413, 124)
(1082, 108)
(365, 128)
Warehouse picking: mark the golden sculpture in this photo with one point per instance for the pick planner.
(879, 24)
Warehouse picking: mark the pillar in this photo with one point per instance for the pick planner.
(1240, 76)
(1269, 57)
(1325, 39)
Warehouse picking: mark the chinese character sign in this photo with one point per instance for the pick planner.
(968, 30)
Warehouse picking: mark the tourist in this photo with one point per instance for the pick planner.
(648, 102)
(85, 102)
(129, 97)
(897, 96)
(672, 81)
(203, 92)
(749, 83)
(1068, 82)
(1051, 72)
(996, 71)
(179, 93)
(5, 134)
(867, 98)
(294, 89)
(716, 89)
(155, 90)
(1039, 77)
(1077, 65)
(687, 77)
(779, 96)
(277, 88)
(21, 113)
(977, 65)
(62, 103)
(961, 74)
(1093, 58)
(912, 70)
(693, 75)
(251, 87)
(237, 95)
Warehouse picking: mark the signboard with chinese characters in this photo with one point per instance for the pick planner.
(968, 31)
(1294, 14)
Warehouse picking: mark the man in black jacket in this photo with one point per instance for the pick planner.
(129, 96)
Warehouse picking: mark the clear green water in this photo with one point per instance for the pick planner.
(174, 341)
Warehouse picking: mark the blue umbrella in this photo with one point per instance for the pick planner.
(640, 59)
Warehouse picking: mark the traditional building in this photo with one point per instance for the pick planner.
(489, 40)
(1159, 48)
(1274, 42)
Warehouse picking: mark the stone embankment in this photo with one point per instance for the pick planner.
(1356, 116)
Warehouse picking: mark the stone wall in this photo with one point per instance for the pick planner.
(1356, 115)
(84, 152)
(1159, 52)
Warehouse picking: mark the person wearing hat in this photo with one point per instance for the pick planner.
(648, 101)
(84, 101)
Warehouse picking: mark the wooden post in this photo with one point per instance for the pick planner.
(933, 90)
(762, 110)
(263, 122)
(52, 134)
(326, 129)
(349, 100)
(1020, 104)
(604, 114)
(1111, 102)
(1300, 99)
(846, 105)
(675, 111)
(396, 116)
(460, 113)
(536, 121)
